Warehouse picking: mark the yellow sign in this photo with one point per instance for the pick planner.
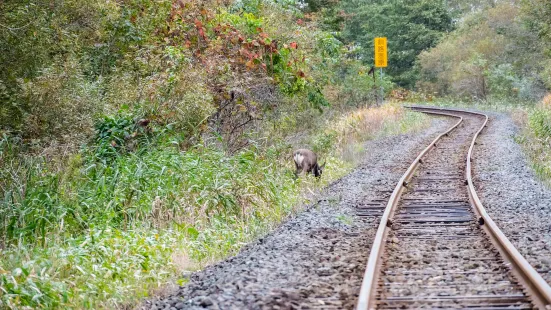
(381, 53)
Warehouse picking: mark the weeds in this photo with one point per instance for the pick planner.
(535, 138)
(346, 135)
(345, 219)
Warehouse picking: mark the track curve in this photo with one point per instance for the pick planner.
(430, 250)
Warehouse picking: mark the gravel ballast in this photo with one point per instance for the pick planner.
(517, 201)
(316, 259)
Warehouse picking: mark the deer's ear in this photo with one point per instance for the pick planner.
(323, 166)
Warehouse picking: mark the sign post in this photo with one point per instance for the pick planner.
(381, 58)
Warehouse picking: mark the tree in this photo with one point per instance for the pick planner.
(537, 15)
(498, 57)
(410, 26)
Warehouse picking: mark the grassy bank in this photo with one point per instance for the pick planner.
(535, 137)
(101, 231)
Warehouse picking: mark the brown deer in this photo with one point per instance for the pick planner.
(306, 160)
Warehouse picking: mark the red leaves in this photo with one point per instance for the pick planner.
(202, 33)
(250, 64)
(215, 43)
(200, 29)
(273, 47)
(245, 52)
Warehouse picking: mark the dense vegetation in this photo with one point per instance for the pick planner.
(504, 54)
(411, 26)
(142, 138)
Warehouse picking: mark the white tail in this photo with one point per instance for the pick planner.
(306, 160)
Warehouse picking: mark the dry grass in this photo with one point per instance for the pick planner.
(353, 129)
(519, 117)
(546, 101)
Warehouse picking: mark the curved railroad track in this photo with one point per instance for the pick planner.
(436, 247)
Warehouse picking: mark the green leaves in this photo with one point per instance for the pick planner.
(499, 58)
(540, 123)
(410, 26)
(79, 273)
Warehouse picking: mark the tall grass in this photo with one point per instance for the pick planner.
(536, 137)
(99, 230)
(345, 135)
(103, 228)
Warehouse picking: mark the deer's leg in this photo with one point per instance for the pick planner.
(316, 172)
(298, 171)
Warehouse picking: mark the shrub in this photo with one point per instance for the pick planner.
(61, 90)
(540, 123)
(546, 101)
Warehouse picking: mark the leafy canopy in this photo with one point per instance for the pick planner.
(410, 26)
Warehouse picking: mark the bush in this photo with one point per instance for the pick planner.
(540, 123)
(61, 90)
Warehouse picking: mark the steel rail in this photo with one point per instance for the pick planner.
(367, 292)
(536, 287)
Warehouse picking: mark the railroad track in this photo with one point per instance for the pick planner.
(436, 247)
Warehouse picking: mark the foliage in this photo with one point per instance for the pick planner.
(535, 137)
(540, 123)
(536, 15)
(358, 87)
(411, 27)
(100, 267)
(176, 61)
(498, 58)
(462, 8)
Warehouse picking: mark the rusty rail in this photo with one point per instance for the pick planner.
(366, 296)
(536, 287)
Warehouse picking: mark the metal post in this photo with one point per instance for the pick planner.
(382, 89)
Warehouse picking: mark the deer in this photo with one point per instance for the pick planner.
(306, 160)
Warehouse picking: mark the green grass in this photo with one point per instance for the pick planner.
(534, 138)
(64, 229)
(100, 231)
